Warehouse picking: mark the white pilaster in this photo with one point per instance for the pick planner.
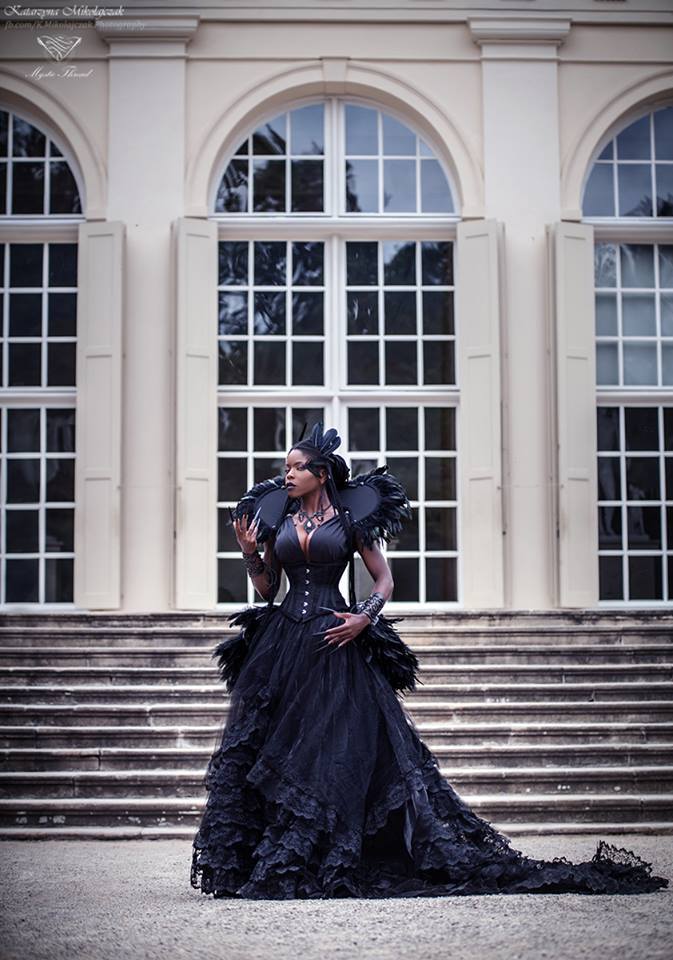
(522, 189)
(146, 136)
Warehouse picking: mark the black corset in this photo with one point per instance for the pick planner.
(312, 586)
(313, 583)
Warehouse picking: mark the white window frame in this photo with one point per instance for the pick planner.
(334, 229)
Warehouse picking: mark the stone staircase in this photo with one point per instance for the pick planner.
(543, 722)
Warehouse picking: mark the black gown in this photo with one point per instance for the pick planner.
(321, 786)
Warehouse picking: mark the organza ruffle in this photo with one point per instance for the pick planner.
(312, 794)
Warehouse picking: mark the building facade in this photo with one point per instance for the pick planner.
(445, 229)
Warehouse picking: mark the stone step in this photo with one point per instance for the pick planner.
(573, 734)
(130, 832)
(608, 633)
(174, 810)
(152, 756)
(157, 693)
(536, 655)
(171, 782)
(429, 673)
(642, 711)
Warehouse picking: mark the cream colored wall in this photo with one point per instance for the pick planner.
(515, 106)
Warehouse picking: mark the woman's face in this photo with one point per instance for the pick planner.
(299, 480)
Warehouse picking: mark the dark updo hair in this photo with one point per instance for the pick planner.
(330, 462)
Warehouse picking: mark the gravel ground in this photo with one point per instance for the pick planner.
(109, 899)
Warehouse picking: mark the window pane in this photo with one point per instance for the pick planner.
(645, 578)
(270, 137)
(307, 313)
(307, 263)
(440, 478)
(406, 471)
(610, 578)
(635, 190)
(62, 315)
(605, 265)
(398, 139)
(399, 186)
(400, 312)
(642, 428)
(399, 263)
(663, 133)
(401, 363)
(269, 428)
(361, 130)
(633, 143)
(438, 361)
(405, 575)
(440, 532)
(664, 182)
(363, 312)
(307, 363)
(402, 428)
(269, 362)
(609, 479)
(232, 428)
(268, 185)
(232, 478)
(270, 313)
(232, 313)
(63, 193)
(638, 315)
(441, 577)
(58, 580)
(438, 311)
(435, 192)
(610, 528)
(233, 365)
(599, 194)
(361, 264)
(437, 262)
(307, 186)
(642, 478)
(363, 362)
(363, 428)
(637, 262)
(27, 140)
(640, 364)
(362, 186)
(270, 263)
(61, 364)
(233, 263)
(23, 431)
(306, 125)
(440, 428)
(232, 194)
(606, 314)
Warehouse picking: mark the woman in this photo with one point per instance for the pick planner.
(321, 786)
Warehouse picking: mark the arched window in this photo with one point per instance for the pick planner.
(38, 336)
(336, 300)
(629, 198)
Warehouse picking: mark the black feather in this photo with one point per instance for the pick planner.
(232, 651)
(246, 505)
(381, 643)
(385, 522)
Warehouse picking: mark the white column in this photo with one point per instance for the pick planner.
(146, 136)
(522, 189)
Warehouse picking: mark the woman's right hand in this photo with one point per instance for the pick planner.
(246, 534)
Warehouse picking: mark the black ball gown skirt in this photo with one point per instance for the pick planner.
(321, 786)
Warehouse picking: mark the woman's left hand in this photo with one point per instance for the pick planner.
(354, 623)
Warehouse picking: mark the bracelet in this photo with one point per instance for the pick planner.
(372, 606)
(255, 566)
